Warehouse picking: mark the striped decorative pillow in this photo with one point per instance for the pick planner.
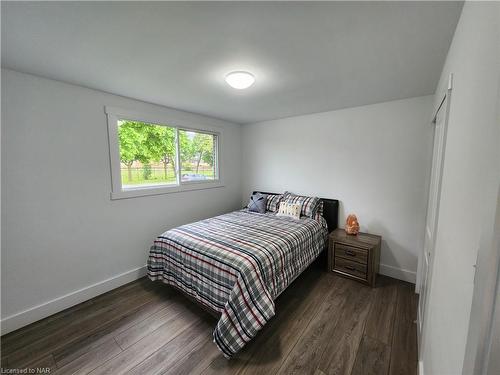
(309, 204)
(318, 216)
(273, 202)
(319, 210)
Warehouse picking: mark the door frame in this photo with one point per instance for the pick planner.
(446, 95)
(446, 101)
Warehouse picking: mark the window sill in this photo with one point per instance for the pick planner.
(159, 190)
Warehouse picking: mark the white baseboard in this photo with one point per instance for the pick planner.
(48, 308)
(398, 273)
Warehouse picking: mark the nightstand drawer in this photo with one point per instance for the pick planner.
(350, 267)
(352, 253)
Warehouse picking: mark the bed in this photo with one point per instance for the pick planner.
(235, 265)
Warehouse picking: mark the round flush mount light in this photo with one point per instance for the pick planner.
(240, 80)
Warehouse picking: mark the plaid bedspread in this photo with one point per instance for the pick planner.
(236, 264)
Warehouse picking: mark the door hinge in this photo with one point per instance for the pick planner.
(475, 267)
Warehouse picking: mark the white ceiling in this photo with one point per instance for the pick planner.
(306, 57)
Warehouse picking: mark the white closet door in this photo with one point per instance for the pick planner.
(432, 212)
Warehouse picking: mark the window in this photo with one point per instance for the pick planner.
(147, 154)
(198, 155)
(155, 157)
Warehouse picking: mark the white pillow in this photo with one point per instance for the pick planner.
(289, 209)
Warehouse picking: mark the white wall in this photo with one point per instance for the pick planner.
(470, 184)
(488, 345)
(61, 233)
(375, 159)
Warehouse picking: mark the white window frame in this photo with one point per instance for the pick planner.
(115, 114)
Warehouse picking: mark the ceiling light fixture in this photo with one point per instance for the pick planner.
(240, 80)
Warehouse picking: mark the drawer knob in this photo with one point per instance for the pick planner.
(350, 253)
(351, 268)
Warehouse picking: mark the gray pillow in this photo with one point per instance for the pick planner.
(257, 203)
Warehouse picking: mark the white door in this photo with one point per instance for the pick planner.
(432, 212)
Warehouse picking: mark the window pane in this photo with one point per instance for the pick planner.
(198, 156)
(147, 154)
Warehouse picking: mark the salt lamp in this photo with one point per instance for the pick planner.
(351, 224)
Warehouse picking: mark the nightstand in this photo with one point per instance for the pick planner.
(354, 256)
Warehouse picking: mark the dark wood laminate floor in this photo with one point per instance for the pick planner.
(324, 324)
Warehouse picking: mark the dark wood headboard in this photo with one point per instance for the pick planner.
(330, 211)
